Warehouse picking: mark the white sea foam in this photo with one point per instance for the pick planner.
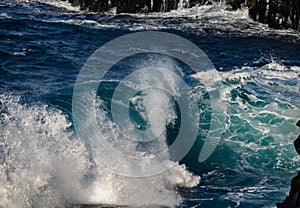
(56, 3)
(213, 19)
(61, 4)
(267, 105)
(20, 53)
(45, 164)
(5, 16)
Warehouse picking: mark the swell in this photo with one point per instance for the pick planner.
(257, 144)
(44, 164)
(262, 92)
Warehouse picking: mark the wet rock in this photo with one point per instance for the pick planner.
(280, 14)
(136, 6)
(293, 199)
(297, 141)
(297, 145)
(126, 6)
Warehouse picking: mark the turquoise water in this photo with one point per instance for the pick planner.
(44, 162)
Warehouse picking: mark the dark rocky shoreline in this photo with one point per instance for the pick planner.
(279, 14)
(293, 199)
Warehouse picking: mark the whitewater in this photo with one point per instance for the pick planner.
(44, 160)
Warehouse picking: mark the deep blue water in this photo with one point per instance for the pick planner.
(43, 48)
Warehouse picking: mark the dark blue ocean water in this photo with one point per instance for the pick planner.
(43, 162)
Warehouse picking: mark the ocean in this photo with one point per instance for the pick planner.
(190, 108)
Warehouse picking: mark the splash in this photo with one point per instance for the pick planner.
(262, 112)
(43, 164)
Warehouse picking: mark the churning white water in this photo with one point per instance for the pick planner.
(44, 163)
